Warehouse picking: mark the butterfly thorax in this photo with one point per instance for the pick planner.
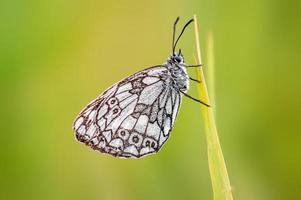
(175, 64)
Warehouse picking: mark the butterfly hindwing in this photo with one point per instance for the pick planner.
(132, 118)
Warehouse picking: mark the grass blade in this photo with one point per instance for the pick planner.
(217, 167)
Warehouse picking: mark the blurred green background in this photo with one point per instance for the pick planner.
(56, 56)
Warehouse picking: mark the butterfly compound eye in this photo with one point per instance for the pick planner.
(178, 59)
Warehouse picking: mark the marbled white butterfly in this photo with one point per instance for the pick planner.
(135, 116)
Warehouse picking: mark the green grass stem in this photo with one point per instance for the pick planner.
(218, 172)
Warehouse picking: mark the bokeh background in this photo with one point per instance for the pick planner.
(56, 56)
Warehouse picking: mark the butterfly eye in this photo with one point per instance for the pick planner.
(177, 59)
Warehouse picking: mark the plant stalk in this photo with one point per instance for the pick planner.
(218, 172)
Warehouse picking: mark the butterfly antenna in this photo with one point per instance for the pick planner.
(174, 47)
(174, 35)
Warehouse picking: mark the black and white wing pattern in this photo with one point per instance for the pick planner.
(132, 118)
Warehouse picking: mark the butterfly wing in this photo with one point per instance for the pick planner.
(132, 118)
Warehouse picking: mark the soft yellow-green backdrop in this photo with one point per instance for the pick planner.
(56, 56)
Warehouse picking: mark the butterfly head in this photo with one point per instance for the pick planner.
(177, 58)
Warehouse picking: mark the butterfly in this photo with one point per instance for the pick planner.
(135, 116)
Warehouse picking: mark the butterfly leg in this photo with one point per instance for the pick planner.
(194, 80)
(199, 101)
(199, 65)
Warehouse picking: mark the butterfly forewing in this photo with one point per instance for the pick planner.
(132, 118)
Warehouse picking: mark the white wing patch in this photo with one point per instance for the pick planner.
(78, 122)
(141, 124)
(150, 93)
(150, 80)
(129, 122)
(132, 118)
(125, 87)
